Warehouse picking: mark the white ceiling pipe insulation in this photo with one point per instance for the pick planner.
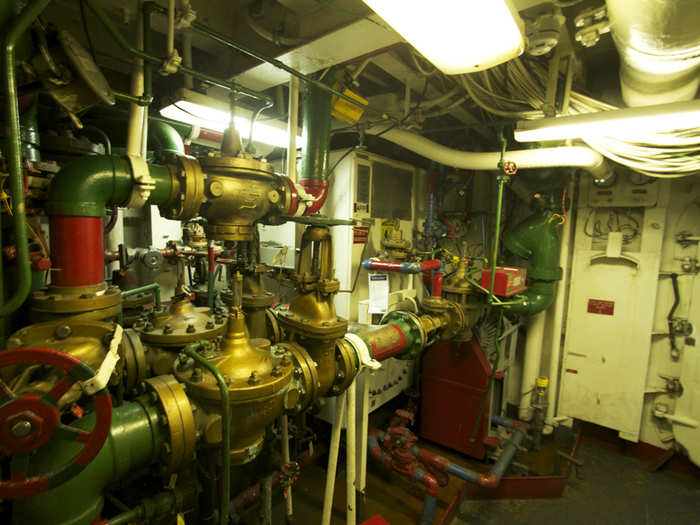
(573, 156)
(659, 47)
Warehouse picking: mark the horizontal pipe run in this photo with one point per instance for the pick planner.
(153, 287)
(573, 156)
(126, 46)
(404, 267)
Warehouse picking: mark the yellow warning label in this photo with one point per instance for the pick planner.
(347, 111)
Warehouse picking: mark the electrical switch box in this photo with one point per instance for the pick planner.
(508, 282)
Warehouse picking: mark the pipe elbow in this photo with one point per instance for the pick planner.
(536, 299)
(86, 186)
(318, 189)
(166, 139)
(489, 480)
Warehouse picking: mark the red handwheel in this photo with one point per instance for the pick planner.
(27, 422)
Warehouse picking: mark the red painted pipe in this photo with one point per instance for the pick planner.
(404, 267)
(77, 251)
(436, 288)
(319, 189)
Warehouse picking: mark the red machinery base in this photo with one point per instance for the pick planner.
(454, 381)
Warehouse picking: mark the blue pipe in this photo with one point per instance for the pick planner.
(429, 504)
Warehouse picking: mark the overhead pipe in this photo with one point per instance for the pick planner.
(292, 127)
(147, 57)
(575, 156)
(316, 152)
(659, 49)
(14, 155)
(134, 136)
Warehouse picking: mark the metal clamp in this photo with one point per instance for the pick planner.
(363, 353)
(143, 182)
(104, 373)
(171, 64)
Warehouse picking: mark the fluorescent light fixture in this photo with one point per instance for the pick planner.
(457, 36)
(210, 113)
(627, 123)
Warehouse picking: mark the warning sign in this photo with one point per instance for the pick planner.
(599, 306)
(359, 234)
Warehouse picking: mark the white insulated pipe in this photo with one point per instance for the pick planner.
(363, 430)
(659, 47)
(171, 28)
(557, 320)
(292, 127)
(574, 156)
(135, 127)
(531, 363)
(333, 459)
(350, 453)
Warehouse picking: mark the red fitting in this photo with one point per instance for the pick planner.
(39, 263)
(432, 459)
(431, 264)
(431, 484)
(319, 189)
(436, 287)
(489, 481)
(77, 251)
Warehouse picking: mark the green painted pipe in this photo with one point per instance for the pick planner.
(133, 99)
(146, 57)
(14, 153)
(153, 287)
(136, 440)
(165, 138)
(536, 239)
(225, 40)
(317, 128)
(86, 186)
(160, 504)
(191, 350)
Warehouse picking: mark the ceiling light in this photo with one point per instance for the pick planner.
(210, 113)
(457, 36)
(623, 124)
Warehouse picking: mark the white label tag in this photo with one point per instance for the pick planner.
(378, 293)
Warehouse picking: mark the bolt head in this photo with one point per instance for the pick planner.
(191, 329)
(63, 331)
(168, 329)
(21, 429)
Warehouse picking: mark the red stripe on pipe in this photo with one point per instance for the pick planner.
(432, 264)
(396, 347)
(77, 251)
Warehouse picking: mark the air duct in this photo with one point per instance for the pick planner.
(659, 47)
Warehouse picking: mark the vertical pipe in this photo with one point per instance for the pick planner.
(289, 507)
(333, 459)
(136, 112)
(362, 457)
(225, 498)
(531, 365)
(497, 234)
(429, 504)
(351, 449)
(292, 127)
(558, 320)
(77, 250)
(210, 275)
(171, 29)
(187, 56)
(14, 154)
(267, 501)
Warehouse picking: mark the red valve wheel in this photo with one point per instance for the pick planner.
(27, 422)
(510, 168)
